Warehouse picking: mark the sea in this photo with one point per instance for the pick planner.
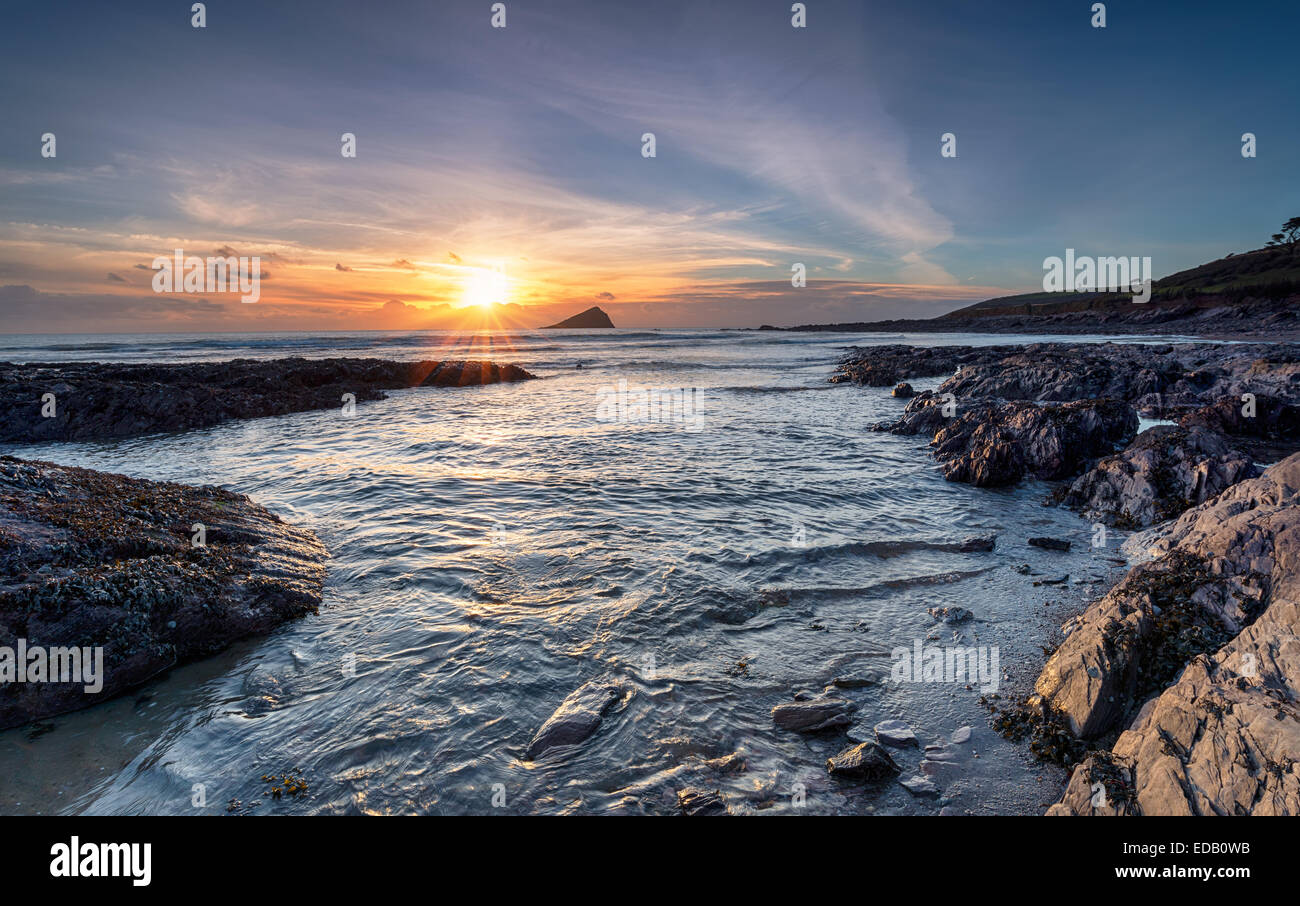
(697, 516)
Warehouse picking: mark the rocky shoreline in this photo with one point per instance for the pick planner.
(132, 577)
(73, 401)
(1193, 658)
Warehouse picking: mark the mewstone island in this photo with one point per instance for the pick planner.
(703, 410)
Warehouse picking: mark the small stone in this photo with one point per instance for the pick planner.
(961, 735)
(895, 733)
(951, 614)
(866, 760)
(918, 785)
(1051, 544)
(1053, 580)
(855, 680)
(903, 390)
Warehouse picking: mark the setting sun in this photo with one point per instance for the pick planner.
(485, 288)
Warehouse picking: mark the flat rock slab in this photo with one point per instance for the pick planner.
(920, 785)
(91, 560)
(102, 400)
(814, 715)
(577, 718)
(895, 733)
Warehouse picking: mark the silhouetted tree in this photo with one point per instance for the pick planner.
(1289, 238)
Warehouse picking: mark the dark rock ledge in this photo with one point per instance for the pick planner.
(94, 400)
(90, 559)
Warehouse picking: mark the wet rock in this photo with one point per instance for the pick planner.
(886, 365)
(866, 760)
(1220, 735)
(856, 680)
(813, 716)
(990, 446)
(1272, 431)
(951, 614)
(103, 399)
(920, 785)
(695, 801)
(1051, 544)
(903, 391)
(1163, 472)
(977, 545)
(1218, 568)
(577, 718)
(93, 560)
(1053, 580)
(895, 733)
(961, 735)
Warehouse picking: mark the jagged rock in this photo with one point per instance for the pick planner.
(695, 801)
(814, 715)
(991, 446)
(866, 760)
(93, 560)
(577, 718)
(973, 545)
(923, 414)
(100, 399)
(1163, 472)
(951, 614)
(903, 391)
(883, 366)
(895, 733)
(1220, 735)
(1273, 430)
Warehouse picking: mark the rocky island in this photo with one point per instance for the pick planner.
(593, 317)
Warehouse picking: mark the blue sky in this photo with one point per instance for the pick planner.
(517, 150)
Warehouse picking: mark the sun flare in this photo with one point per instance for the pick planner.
(484, 288)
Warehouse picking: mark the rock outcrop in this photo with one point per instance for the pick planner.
(988, 446)
(1163, 472)
(1204, 643)
(94, 400)
(91, 561)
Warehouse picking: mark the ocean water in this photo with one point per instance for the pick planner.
(495, 547)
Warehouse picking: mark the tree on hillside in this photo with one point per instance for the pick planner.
(1289, 238)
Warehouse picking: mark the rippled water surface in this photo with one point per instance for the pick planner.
(494, 547)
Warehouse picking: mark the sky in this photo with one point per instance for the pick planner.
(499, 175)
